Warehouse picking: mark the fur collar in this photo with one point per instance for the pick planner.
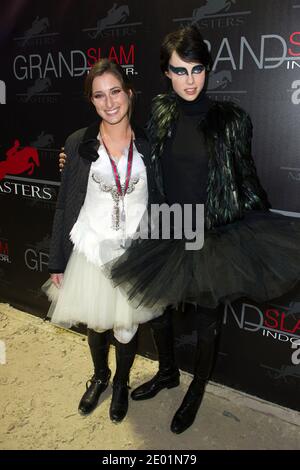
(221, 118)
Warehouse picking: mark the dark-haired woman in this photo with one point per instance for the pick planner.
(201, 151)
(103, 195)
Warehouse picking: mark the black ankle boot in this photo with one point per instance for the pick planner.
(163, 379)
(186, 413)
(119, 402)
(94, 388)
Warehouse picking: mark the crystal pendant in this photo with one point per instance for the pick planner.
(123, 224)
(116, 216)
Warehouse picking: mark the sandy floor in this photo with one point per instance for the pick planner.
(44, 377)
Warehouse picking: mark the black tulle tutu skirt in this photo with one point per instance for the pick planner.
(257, 257)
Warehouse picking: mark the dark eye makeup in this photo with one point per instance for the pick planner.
(183, 71)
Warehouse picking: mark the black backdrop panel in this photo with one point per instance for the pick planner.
(46, 49)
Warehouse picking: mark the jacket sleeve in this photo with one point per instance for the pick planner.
(252, 194)
(57, 261)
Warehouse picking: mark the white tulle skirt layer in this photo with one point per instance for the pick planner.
(87, 296)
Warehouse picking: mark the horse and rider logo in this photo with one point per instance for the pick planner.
(219, 80)
(40, 85)
(285, 371)
(211, 7)
(19, 161)
(39, 25)
(114, 16)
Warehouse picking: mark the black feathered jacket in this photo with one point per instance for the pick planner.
(81, 149)
(233, 186)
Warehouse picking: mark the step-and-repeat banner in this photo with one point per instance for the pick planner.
(46, 49)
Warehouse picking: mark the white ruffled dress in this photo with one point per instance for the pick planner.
(86, 294)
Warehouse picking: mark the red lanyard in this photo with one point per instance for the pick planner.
(115, 169)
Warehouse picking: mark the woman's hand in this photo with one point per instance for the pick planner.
(62, 159)
(57, 278)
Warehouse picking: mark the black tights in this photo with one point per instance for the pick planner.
(208, 322)
(208, 325)
(99, 348)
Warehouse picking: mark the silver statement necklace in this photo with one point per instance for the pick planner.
(118, 190)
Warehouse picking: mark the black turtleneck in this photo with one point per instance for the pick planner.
(185, 160)
(198, 107)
